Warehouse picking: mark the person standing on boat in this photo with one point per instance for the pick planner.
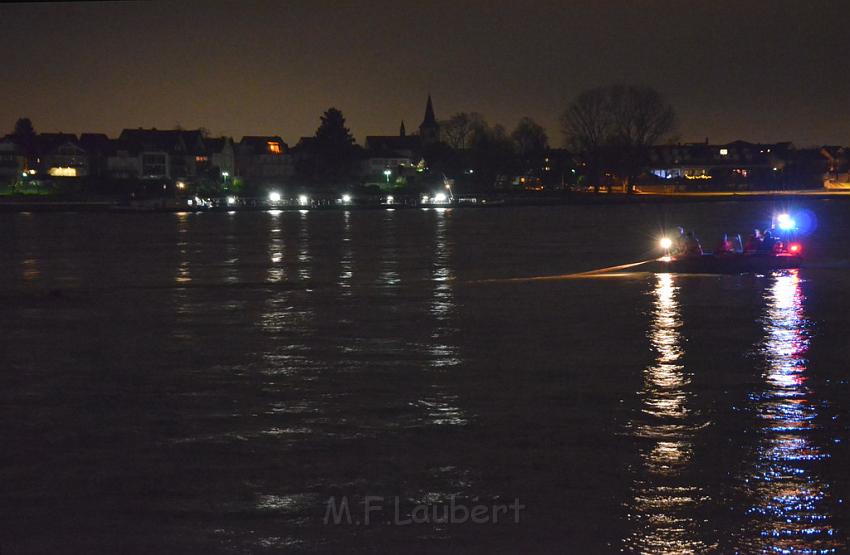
(692, 246)
(739, 245)
(680, 243)
(768, 243)
(725, 246)
(754, 242)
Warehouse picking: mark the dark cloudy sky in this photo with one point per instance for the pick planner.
(762, 71)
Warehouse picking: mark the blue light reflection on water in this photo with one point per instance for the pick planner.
(790, 512)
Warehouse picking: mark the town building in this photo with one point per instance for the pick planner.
(97, 146)
(388, 157)
(162, 154)
(61, 155)
(264, 159)
(735, 165)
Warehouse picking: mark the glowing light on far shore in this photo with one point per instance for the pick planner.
(440, 197)
(346, 199)
(231, 201)
(303, 200)
(274, 196)
(60, 171)
(666, 243)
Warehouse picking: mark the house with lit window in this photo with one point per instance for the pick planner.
(263, 159)
(703, 166)
(62, 155)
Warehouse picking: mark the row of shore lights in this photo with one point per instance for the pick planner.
(304, 200)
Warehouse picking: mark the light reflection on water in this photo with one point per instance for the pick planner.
(183, 274)
(790, 512)
(441, 405)
(183, 308)
(664, 500)
(442, 301)
(388, 275)
(251, 403)
(346, 272)
(30, 270)
(276, 271)
(304, 260)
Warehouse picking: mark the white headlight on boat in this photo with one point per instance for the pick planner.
(665, 243)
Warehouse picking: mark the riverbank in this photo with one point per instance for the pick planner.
(484, 200)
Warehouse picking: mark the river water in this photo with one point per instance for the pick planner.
(206, 383)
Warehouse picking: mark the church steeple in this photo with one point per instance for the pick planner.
(429, 130)
(401, 131)
(429, 120)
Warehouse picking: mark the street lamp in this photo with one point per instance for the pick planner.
(387, 174)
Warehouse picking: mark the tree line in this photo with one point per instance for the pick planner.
(606, 129)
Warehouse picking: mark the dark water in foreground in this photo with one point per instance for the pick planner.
(203, 383)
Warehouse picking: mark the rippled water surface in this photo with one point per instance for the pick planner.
(204, 383)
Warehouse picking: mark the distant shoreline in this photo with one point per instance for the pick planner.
(492, 200)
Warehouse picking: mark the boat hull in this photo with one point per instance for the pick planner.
(729, 264)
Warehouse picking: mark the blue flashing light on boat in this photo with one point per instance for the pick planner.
(785, 222)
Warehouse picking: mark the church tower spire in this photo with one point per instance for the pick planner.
(429, 130)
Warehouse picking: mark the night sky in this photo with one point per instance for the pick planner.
(760, 71)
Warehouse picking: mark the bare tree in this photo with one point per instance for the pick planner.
(459, 130)
(616, 126)
(641, 117)
(587, 126)
(530, 137)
